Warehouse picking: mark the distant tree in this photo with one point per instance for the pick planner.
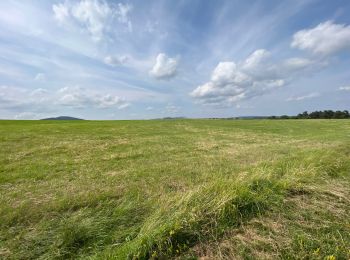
(314, 115)
(326, 114)
(339, 114)
(329, 114)
(303, 115)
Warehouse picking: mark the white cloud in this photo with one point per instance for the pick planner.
(123, 106)
(61, 12)
(165, 67)
(231, 82)
(259, 73)
(110, 101)
(297, 63)
(13, 97)
(300, 98)
(345, 88)
(115, 60)
(227, 72)
(40, 77)
(38, 92)
(80, 98)
(39, 100)
(123, 14)
(325, 39)
(256, 59)
(171, 109)
(95, 16)
(92, 14)
(26, 116)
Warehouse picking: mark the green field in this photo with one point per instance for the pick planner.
(216, 189)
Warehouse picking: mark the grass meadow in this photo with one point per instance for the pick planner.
(182, 189)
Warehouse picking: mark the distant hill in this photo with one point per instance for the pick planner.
(240, 117)
(62, 118)
(178, 117)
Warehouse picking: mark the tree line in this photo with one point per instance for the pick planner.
(325, 114)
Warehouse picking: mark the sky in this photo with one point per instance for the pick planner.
(99, 59)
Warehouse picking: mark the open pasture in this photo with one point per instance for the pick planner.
(174, 188)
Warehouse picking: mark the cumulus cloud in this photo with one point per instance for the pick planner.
(325, 39)
(80, 97)
(165, 67)
(345, 88)
(231, 82)
(256, 59)
(300, 98)
(93, 15)
(39, 100)
(115, 60)
(259, 74)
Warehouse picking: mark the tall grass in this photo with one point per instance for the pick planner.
(152, 189)
(205, 213)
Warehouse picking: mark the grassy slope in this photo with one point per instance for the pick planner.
(161, 188)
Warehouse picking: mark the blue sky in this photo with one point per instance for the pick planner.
(100, 59)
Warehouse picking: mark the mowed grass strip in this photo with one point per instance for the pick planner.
(143, 189)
